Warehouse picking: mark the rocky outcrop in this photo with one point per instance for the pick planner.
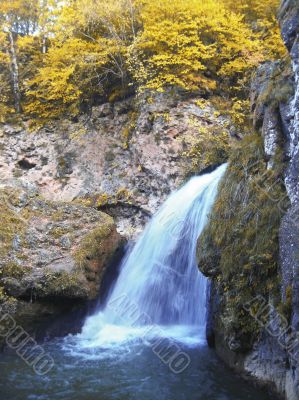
(123, 158)
(52, 254)
(281, 124)
(254, 318)
(289, 234)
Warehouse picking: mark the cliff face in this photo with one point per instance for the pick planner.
(123, 158)
(250, 249)
(289, 233)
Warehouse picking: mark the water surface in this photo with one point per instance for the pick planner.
(131, 371)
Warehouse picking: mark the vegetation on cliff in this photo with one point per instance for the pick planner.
(239, 248)
(58, 58)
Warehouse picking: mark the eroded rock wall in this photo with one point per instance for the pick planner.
(253, 319)
(124, 157)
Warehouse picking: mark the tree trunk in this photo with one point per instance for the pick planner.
(43, 26)
(44, 44)
(14, 72)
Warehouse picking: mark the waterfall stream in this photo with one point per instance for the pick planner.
(159, 283)
(148, 340)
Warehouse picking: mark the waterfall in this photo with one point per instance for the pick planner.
(159, 282)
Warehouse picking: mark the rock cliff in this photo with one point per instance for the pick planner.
(123, 158)
(250, 249)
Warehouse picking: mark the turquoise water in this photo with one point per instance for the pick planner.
(132, 371)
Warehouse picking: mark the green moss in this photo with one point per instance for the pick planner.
(164, 117)
(13, 270)
(3, 296)
(103, 199)
(91, 247)
(129, 128)
(11, 224)
(211, 147)
(58, 231)
(285, 307)
(280, 87)
(59, 282)
(240, 245)
(122, 195)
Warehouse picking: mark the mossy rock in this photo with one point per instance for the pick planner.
(239, 248)
(51, 251)
(11, 223)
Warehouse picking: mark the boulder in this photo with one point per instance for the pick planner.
(52, 254)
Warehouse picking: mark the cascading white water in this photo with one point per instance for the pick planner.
(159, 277)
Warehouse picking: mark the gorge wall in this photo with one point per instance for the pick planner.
(250, 249)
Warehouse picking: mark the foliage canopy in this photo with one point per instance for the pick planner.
(59, 57)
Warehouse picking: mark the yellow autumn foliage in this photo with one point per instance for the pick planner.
(192, 44)
(65, 80)
(70, 54)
